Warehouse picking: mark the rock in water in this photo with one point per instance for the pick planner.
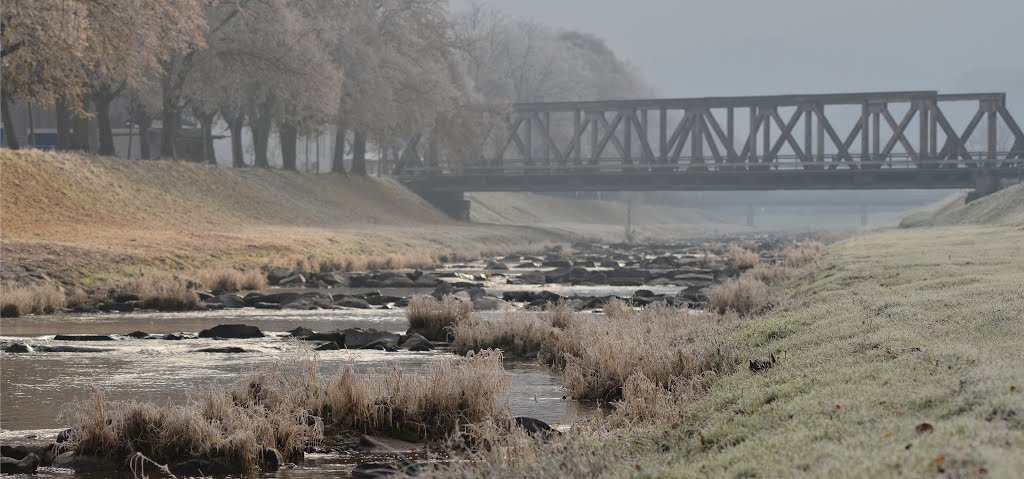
(224, 350)
(232, 331)
(82, 337)
(416, 342)
(26, 465)
(329, 346)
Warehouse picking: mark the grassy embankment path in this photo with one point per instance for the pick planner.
(84, 219)
(901, 353)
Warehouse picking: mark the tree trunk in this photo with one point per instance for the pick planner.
(288, 136)
(338, 165)
(81, 136)
(170, 117)
(144, 125)
(237, 155)
(10, 134)
(359, 154)
(105, 130)
(206, 124)
(63, 126)
(260, 126)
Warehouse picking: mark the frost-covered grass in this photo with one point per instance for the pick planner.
(898, 355)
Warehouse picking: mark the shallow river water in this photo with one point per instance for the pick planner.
(36, 386)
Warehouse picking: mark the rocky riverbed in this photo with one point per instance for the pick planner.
(347, 318)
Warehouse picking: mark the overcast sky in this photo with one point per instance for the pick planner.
(688, 48)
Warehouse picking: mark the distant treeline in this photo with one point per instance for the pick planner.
(401, 74)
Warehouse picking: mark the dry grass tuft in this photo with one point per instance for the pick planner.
(665, 345)
(804, 254)
(228, 428)
(769, 274)
(434, 319)
(742, 258)
(453, 392)
(745, 295)
(522, 333)
(232, 280)
(162, 291)
(514, 454)
(35, 299)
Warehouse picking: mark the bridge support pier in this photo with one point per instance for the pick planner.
(451, 203)
(984, 185)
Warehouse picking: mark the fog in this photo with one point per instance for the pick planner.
(757, 47)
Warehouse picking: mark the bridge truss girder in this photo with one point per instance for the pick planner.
(803, 132)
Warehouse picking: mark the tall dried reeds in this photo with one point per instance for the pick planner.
(42, 298)
(804, 254)
(745, 295)
(741, 257)
(434, 319)
(161, 291)
(231, 280)
(227, 429)
(453, 392)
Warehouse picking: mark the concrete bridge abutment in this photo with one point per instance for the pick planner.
(451, 203)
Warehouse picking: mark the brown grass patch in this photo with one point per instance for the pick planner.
(231, 280)
(742, 258)
(599, 354)
(804, 254)
(434, 319)
(35, 299)
(227, 427)
(769, 274)
(454, 392)
(745, 295)
(162, 291)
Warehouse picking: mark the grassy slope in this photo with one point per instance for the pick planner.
(78, 217)
(604, 220)
(850, 389)
(1005, 207)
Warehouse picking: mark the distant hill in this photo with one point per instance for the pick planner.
(1003, 208)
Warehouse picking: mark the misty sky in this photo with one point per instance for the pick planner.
(688, 48)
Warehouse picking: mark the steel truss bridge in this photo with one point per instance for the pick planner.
(880, 140)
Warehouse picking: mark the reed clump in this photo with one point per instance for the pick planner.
(742, 258)
(804, 254)
(162, 291)
(226, 429)
(745, 295)
(599, 354)
(770, 274)
(44, 298)
(232, 280)
(454, 391)
(434, 319)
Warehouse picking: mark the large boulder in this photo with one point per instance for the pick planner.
(351, 302)
(16, 348)
(275, 298)
(295, 280)
(356, 338)
(232, 331)
(275, 275)
(328, 346)
(416, 342)
(334, 279)
(26, 465)
(301, 333)
(228, 300)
